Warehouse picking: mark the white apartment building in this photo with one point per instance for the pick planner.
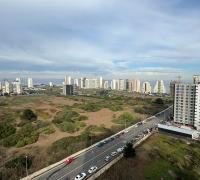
(122, 84)
(106, 85)
(81, 82)
(30, 83)
(17, 88)
(133, 85)
(76, 82)
(68, 80)
(146, 87)
(159, 87)
(50, 84)
(115, 84)
(187, 105)
(196, 79)
(7, 88)
(100, 82)
(91, 83)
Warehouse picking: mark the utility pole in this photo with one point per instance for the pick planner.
(26, 166)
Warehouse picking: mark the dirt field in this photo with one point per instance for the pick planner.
(46, 109)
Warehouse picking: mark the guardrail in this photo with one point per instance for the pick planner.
(105, 167)
(77, 154)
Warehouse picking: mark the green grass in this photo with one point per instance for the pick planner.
(159, 169)
(174, 152)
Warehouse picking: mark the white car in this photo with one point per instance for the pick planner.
(80, 176)
(92, 169)
(126, 131)
(114, 153)
(119, 150)
(107, 158)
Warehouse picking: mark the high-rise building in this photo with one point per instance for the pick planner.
(133, 85)
(187, 104)
(159, 87)
(121, 84)
(30, 83)
(50, 84)
(115, 84)
(0, 86)
(127, 84)
(106, 85)
(91, 84)
(68, 89)
(7, 88)
(146, 87)
(17, 88)
(83, 82)
(172, 87)
(100, 82)
(76, 82)
(196, 79)
(18, 80)
(68, 80)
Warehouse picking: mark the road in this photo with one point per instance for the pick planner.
(96, 155)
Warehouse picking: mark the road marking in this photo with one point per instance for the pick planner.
(152, 122)
(89, 160)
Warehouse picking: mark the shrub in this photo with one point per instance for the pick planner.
(29, 115)
(158, 101)
(19, 162)
(82, 118)
(47, 130)
(68, 127)
(126, 118)
(26, 135)
(10, 140)
(65, 116)
(6, 130)
(91, 107)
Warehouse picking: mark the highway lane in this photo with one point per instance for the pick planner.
(96, 155)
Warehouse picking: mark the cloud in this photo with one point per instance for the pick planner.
(126, 38)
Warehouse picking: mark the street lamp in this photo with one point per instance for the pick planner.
(26, 166)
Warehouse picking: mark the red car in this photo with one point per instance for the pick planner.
(69, 160)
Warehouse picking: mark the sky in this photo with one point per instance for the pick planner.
(146, 39)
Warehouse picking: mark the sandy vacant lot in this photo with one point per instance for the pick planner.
(46, 108)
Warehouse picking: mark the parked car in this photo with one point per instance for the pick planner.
(100, 144)
(69, 160)
(112, 138)
(92, 169)
(114, 153)
(126, 131)
(107, 158)
(80, 176)
(119, 150)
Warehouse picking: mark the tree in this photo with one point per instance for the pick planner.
(129, 151)
(159, 101)
(29, 114)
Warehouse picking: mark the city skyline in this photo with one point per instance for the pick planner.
(112, 38)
